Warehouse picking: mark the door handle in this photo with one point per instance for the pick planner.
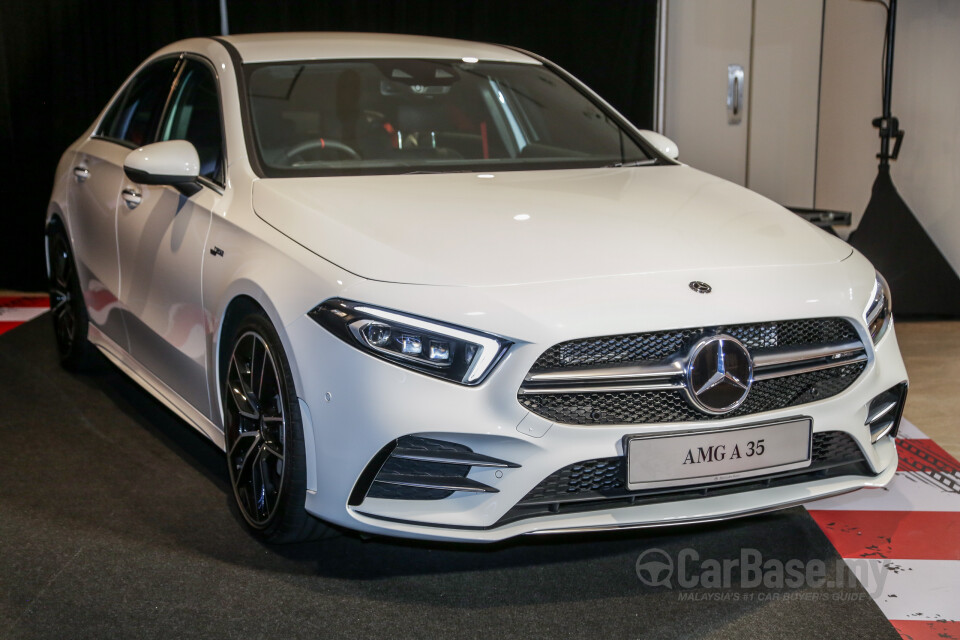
(734, 93)
(81, 173)
(132, 197)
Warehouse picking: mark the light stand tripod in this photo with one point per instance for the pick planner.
(921, 280)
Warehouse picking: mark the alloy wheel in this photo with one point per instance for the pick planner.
(255, 428)
(62, 305)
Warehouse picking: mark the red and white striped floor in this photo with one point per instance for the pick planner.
(903, 541)
(15, 310)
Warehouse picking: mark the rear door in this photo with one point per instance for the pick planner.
(131, 121)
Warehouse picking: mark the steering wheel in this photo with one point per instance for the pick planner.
(323, 143)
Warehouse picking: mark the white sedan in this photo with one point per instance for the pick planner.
(440, 289)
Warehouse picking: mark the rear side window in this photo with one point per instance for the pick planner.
(194, 115)
(134, 116)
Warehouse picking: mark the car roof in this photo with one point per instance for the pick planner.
(276, 47)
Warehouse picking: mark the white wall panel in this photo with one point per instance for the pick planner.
(702, 39)
(850, 97)
(926, 98)
(784, 100)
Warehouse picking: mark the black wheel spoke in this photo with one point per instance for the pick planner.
(68, 328)
(262, 485)
(242, 456)
(62, 310)
(239, 442)
(273, 450)
(272, 431)
(243, 398)
(58, 299)
(266, 373)
(67, 272)
(61, 263)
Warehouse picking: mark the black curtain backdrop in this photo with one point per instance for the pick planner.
(608, 44)
(61, 60)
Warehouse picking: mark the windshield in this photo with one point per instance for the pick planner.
(410, 116)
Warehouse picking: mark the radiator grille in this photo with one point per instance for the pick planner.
(660, 406)
(639, 407)
(663, 344)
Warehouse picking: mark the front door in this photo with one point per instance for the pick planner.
(161, 239)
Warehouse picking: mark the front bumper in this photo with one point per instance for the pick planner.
(358, 403)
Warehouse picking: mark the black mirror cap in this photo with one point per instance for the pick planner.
(186, 185)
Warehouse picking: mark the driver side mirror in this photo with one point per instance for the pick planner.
(663, 144)
(173, 162)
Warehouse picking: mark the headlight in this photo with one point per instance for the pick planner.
(879, 314)
(445, 351)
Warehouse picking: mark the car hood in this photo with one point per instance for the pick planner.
(524, 227)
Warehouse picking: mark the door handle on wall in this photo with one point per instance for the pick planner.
(131, 197)
(734, 93)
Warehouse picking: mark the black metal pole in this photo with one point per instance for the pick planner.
(887, 127)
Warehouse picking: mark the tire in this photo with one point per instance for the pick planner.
(263, 433)
(67, 309)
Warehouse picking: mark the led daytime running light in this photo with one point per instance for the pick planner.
(879, 313)
(489, 348)
(450, 352)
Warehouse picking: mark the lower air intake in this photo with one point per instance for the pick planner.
(601, 483)
(416, 468)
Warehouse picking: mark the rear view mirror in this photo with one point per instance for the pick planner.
(663, 144)
(174, 162)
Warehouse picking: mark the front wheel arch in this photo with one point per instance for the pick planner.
(285, 520)
(236, 309)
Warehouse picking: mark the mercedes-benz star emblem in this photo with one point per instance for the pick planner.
(719, 373)
(700, 287)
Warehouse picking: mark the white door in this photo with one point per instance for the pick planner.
(98, 174)
(161, 238)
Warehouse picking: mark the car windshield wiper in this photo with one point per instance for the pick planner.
(635, 163)
(433, 171)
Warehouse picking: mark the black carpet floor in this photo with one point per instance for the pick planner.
(116, 522)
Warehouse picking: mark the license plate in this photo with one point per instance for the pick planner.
(702, 457)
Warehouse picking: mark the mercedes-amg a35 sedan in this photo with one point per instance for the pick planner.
(440, 289)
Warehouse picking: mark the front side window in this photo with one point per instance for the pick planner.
(194, 115)
(395, 116)
(132, 119)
